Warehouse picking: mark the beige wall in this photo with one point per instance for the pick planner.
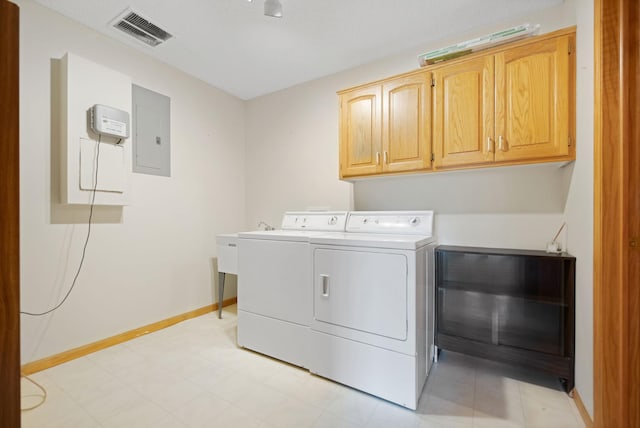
(151, 259)
(234, 164)
(291, 154)
(579, 208)
(292, 163)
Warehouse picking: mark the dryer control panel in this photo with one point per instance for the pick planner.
(392, 222)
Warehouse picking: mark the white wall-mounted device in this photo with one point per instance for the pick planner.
(109, 121)
(83, 84)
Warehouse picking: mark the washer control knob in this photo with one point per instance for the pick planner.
(333, 220)
(365, 220)
(414, 221)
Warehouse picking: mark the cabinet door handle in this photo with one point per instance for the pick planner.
(377, 158)
(325, 285)
(386, 157)
(489, 145)
(501, 143)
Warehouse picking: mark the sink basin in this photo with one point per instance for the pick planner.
(227, 246)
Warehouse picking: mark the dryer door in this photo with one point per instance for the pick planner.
(360, 295)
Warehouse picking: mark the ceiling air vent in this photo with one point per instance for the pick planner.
(140, 28)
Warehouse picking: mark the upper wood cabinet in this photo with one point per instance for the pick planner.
(463, 123)
(511, 104)
(360, 131)
(532, 100)
(385, 127)
(510, 107)
(406, 124)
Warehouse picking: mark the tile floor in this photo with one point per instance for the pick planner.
(193, 375)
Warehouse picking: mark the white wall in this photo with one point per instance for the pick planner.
(292, 135)
(292, 162)
(579, 208)
(147, 261)
(292, 154)
(152, 259)
(507, 207)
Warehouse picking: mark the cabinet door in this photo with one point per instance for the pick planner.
(360, 131)
(532, 100)
(406, 123)
(463, 113)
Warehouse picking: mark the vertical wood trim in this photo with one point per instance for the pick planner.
(631, 118)
(607, 346)
(9, 217)
(615, 208)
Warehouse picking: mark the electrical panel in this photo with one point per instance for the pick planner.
(151, 132)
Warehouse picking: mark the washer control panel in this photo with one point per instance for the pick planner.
(312, 220)
(393, 222)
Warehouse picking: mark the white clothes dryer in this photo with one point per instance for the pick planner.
(373, 304)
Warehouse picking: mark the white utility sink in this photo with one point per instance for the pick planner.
(227, 246)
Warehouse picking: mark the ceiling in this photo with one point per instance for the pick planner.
(231, 45)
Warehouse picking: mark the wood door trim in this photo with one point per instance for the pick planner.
(617, 64)
(9, 216)
(631, 195)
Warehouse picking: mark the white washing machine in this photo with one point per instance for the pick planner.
(274, 285)
(373, 304)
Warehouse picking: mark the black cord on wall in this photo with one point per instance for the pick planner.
(84, 248)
